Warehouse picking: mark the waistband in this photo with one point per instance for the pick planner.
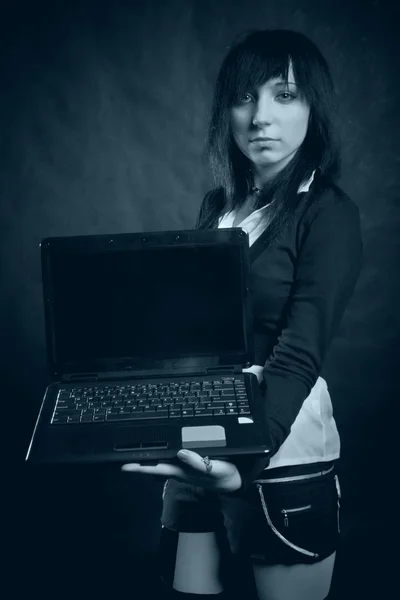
(295, 477)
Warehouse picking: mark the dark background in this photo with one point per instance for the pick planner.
(104, 109)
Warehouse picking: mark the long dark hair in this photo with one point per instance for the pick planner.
(253, 60)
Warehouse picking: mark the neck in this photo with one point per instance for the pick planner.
(263, 173)
(261, 176)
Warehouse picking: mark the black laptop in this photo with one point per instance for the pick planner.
(147, 335)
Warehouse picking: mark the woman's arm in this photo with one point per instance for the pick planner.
(327, 269)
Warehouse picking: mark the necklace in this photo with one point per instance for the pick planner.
(255, 190)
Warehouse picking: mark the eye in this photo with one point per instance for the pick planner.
(246, 99)
(288, 95)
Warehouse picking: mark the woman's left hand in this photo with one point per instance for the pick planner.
(224, 476)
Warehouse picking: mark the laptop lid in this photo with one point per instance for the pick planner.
(147, 301)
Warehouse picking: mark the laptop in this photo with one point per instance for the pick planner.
(147, 335)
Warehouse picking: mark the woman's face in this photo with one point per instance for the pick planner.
(274, 111)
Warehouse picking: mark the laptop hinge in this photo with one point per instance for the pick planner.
(85, 377)
(225, 371)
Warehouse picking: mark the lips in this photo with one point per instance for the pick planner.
(263, 139)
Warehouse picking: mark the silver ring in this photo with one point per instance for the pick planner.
(208, 464)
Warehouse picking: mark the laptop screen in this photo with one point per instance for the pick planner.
(148, 303)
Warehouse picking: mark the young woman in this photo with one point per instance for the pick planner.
(273, 152)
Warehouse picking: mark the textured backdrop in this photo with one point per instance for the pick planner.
(103, 112)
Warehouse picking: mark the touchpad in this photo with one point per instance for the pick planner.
(202, 436)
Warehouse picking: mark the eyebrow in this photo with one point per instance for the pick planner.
(284, 83)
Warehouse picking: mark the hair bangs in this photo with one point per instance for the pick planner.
(251, 69)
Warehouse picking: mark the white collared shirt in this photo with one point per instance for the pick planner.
(255, 223)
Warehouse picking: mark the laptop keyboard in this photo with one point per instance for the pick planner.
(96, 404)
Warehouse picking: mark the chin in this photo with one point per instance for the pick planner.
(263, 161)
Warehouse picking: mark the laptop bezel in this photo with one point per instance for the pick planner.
(127, 241)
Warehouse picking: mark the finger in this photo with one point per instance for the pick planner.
(193, 460)
(162, 469)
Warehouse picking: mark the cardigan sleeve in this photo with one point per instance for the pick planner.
(328, 265)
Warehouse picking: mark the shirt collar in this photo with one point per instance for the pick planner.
(253, 220)
(305, 186)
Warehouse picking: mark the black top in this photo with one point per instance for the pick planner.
(301, 285)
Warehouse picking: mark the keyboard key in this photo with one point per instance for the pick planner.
(230, 404)
(81, 404)
(175, 412)
(203, 413)
(119, 417)
(74, 419)
(217, 404)
(181, 402)
(67, 413)
(161, 414)
(244, 411)
(169, 402)
(66, 403)
(99, 418)
(65, 409)
(219, 412)
(187, 412)
(86, 418)
(59, 420)
(134, 416)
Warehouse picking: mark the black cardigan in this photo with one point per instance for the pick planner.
(301, 285)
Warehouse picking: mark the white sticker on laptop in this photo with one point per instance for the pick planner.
(245, 420)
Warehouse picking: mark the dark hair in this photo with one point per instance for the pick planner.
(253, 60)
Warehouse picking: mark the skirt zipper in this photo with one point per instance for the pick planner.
(286, 511)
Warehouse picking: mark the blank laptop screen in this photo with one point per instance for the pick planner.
(156, 302)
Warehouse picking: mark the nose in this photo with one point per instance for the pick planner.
(262, 115)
